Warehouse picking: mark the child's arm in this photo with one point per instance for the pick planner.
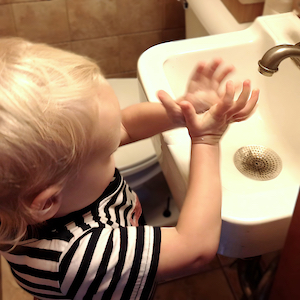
(144, 120)
(194, 241)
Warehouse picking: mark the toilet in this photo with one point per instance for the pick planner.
(136, 162)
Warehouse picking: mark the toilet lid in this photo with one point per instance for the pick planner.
(141, 154)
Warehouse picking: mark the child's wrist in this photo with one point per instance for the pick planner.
(206, 139)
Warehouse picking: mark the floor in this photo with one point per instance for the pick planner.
(218, 280)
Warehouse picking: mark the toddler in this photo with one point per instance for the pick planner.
(68, 219)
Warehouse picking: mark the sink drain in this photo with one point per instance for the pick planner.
(258, 162)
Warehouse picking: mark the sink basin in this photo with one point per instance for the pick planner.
(256, 213)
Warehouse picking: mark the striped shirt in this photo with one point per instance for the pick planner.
(94, 253)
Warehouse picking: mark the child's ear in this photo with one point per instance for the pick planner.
(46, 204)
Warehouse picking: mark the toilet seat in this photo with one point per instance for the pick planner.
(132, 158)
(135, 157)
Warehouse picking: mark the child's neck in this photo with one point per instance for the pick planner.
(88, 185)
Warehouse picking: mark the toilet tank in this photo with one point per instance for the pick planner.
(205, 17)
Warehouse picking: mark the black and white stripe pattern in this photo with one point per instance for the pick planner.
(91, 254)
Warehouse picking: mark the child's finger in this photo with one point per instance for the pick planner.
(218, 111)
(248, 109)
(224, 73)
(172, 108)
(241, 102)
(210, 70)
(198, 72)
(189, 114)
(166, 100)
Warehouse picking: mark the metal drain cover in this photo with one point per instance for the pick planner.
(258, 162)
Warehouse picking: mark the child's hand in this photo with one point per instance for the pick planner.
(203, 90)
(208, 128)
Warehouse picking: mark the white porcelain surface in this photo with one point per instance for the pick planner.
(215, 17)
(255, 214)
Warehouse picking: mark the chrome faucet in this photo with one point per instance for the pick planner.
(269, 63)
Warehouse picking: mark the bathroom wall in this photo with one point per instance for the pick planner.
(113, 32)
(296, 6)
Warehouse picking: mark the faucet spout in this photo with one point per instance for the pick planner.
(269, 63)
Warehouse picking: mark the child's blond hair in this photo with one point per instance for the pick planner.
(48, 100)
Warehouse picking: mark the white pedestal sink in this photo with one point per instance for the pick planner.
(256, 214)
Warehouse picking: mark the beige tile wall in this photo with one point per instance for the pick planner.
(113, 32)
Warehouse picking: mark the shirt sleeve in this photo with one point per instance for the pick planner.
(107, 263)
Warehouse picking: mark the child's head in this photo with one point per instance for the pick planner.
(48, 104)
